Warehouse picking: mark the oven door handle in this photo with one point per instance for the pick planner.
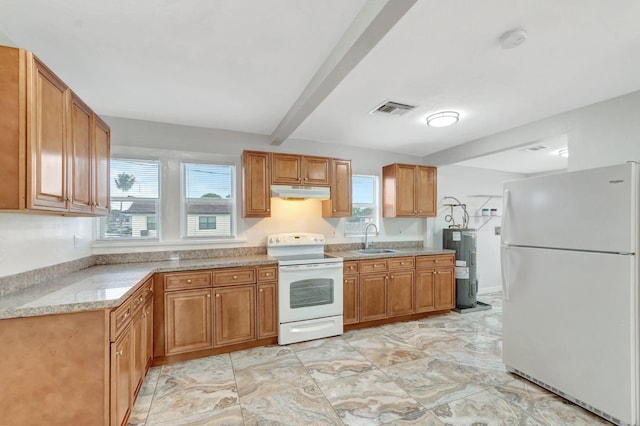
(314, 266)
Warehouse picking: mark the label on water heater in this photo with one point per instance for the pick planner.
(462, 272)
(456, 236)
(461, 263)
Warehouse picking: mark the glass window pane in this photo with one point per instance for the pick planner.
(364, 202)
(209, 200)
(134, 200)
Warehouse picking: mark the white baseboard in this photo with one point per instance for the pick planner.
(485, 290)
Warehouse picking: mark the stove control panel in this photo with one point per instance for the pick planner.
(295, 239)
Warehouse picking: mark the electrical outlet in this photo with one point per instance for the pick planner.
(76, 241)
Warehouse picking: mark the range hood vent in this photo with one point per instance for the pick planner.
(300, 192)
(392, 108)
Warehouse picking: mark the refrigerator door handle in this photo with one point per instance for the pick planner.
(504, 250)
(505, 217)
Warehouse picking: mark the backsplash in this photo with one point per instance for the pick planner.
(12, 283)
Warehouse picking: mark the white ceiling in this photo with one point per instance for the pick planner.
(260, 66)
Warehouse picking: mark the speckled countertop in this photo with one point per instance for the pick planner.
(106, 286)
(103, 287)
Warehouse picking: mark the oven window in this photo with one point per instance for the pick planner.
(311, 292)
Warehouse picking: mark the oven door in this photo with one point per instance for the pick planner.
(309, 291)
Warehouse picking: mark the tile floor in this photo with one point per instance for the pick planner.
(442, 370)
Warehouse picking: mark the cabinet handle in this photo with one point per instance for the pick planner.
(119, 352)
(188, 281)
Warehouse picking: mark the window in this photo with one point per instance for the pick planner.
(134, 200)
(207, 222)
(208, 196)
(364, 199)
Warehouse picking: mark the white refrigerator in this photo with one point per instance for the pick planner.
(570, 286)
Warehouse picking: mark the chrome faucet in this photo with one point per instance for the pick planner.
(366, 234)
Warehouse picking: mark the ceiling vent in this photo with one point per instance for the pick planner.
(392, 108)
(535, 148)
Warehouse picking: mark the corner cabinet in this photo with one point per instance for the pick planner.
(55, 149)
(409, 191)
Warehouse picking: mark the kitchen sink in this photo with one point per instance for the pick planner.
(374, 251)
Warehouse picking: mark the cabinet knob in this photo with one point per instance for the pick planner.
(98, 205)
(188, 281)
(235, 277)
(119, 352)
(402, 263)
(419, 211)
(126, 314)
(334, 210)
(268, 210)
(268, 274)
(209, 296)
(436, 261)
(217, 295)
(143, 315)
(391, 276)
(260, 290)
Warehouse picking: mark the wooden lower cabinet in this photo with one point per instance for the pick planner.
(350, 300)
(121, 378)
(235, 314)
(148, 323)
(425, 297)
(373, 296)
(401, 293)
(188, 321)
(444, 288)
(139, 350)
(267, 310)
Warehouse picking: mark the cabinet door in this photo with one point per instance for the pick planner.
(315, 171)
(267, 310)
(286, 169)
(148, 322)
(235, 314)
(340, 203)
(121, 379)
(444, 288)
(373, 297)
(405, 190)
(425, 280)
(187, 321)
(48, 147)
(350, 299)
(80, 174)
(426, 191)
(256, 184)
(400, 293)
(101, 159)
(139, 350)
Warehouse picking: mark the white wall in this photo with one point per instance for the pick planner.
(462, 183)
(30, 241)
(601, 134)
(143, 138)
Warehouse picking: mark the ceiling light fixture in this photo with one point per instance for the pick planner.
(564, 152)
(443, 119)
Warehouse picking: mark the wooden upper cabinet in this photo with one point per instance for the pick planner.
(256, 184)
(80, 167)
(340, 203)
(100, 173)
(48, 145)
(48, 141)
(408, 191)
(291, 169)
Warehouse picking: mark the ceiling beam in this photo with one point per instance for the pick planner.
(367, 29)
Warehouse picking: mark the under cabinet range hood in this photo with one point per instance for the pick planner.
(300, 192)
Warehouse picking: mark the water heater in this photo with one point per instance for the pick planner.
(463, 241)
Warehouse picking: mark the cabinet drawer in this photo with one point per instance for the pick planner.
(137, 300)
(234, 276)
(350, 267)
(187, 280)
(267, 273)
(436, 260)
(374, 265)
(400, 263)
(120, 318)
